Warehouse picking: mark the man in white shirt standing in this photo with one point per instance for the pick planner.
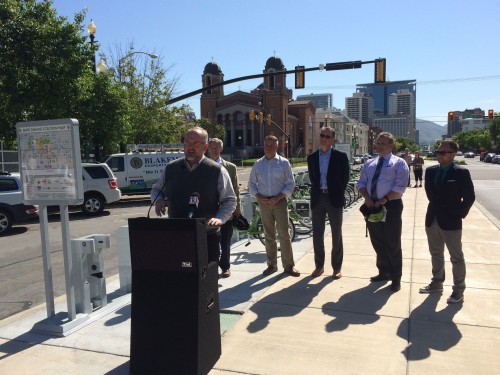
(271, 182)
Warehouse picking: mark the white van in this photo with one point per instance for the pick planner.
(136, 172)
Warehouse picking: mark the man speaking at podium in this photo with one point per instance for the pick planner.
(196, 186)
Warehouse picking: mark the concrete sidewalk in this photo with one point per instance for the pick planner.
(286, 325)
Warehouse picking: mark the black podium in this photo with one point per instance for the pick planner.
(175, 327)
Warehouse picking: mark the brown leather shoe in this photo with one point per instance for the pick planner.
(269, 270)
(226, 273)
(318, 272)
(337, 275)
(292, 272)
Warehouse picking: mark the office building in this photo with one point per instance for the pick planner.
(319, 100)
(359, 107)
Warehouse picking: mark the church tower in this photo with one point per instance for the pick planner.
(275, 97)
(212, 74)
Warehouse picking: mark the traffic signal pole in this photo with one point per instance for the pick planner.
(330, 66)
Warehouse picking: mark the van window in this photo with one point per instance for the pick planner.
(117, 163)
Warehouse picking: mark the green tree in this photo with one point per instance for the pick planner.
(104, 115)
(214, 130)
(145, 81)
(403, 143)
(43, 59)
(494, 131)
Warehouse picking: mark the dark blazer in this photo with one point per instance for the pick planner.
(450, 201)
(336, 179)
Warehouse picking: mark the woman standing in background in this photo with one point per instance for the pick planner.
(418, 165)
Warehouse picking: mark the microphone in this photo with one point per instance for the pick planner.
(194, 200)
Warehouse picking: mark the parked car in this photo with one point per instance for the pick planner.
(12, 208)
(469, 154)
(488, 157)
(460, 153)
(495, 159)
(100, 188)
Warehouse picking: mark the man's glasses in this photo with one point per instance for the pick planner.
(444, 152)
(325, 136)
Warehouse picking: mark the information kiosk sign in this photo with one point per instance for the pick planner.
(50, 161)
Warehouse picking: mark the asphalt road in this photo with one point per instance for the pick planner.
(21, 271)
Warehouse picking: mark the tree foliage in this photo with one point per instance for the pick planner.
(46, 72)
(214, 130)
(403, 143)
(43, 59)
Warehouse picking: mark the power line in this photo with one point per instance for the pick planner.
(421, 83)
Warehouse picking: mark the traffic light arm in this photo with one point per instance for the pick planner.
(329, 66)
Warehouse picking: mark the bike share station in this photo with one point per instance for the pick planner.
(50, 165)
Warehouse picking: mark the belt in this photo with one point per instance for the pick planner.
(324, 191)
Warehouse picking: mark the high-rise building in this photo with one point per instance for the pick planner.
(394, 104)
(359, 107)
(402, 103)
(380, 92)
(319, 100)
(397, 125)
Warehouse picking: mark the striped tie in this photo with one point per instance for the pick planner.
(375, 178)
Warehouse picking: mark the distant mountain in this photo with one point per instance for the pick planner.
(429, 131)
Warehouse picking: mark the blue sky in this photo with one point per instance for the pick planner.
(449, 47)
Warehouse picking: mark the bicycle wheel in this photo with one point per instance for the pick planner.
(262, 238)
(347, 197)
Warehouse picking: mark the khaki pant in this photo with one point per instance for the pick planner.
(437, 238)
(275, 218)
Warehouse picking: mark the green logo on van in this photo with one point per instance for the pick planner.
(136, 162)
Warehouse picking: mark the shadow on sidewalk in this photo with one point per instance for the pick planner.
(244, 291)
(298, 296)
(428, 329)
(361, 305)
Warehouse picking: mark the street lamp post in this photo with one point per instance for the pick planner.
(92, 29)
(120, 61)
(354, 140)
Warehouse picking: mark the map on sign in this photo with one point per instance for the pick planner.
(49, 157)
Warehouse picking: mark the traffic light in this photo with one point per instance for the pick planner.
(269, 119)
(451, 116)
(299, 77)
(490, 113)
(380, 71)
(261, 117)
(252, 115)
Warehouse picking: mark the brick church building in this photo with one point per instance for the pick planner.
(244, 138)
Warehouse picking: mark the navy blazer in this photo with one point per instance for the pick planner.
(450, 201)
(337, 177)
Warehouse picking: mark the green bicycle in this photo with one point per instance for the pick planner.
(256, 229)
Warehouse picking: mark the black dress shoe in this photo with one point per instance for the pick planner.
(396, 286)
(379, 278)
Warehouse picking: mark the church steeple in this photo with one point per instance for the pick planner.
(212, 74)
(274, 82)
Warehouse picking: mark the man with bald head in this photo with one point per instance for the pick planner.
(195, 173)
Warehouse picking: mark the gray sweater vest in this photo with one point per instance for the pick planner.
(181, 183)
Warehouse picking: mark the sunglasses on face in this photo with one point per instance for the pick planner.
(325, 136)
(444, 152)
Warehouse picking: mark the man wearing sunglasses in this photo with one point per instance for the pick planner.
(450, 191)
(329, 173)
(382, 182)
